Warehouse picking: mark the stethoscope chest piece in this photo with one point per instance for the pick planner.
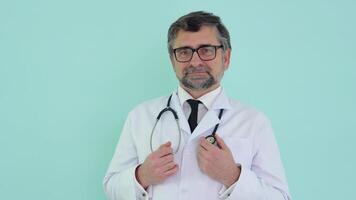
(211, 139)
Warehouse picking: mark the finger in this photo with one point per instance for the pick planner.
(164, 149)
(204, 155)
(206, 145)
(167, 159)
(171, 171)
(221, 143)
(201, 150)
(200, 147)
(168, 166)
(167, 144)
(164, 152)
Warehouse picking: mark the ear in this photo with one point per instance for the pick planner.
(171, 58)
(226, 58)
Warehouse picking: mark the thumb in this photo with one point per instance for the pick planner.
(221, 143)
(167, 144)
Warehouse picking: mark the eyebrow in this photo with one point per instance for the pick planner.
(202, 45)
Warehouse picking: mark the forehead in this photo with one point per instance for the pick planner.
(206, 35)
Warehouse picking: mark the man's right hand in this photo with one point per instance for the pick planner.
(158, 166)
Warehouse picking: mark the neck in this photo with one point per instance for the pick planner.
(198, 93)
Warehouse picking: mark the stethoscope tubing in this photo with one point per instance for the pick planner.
(211, 138)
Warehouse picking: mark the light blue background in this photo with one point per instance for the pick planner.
(70, 71)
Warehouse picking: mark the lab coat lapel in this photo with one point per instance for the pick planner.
(209, 121)
(211, 117)
(178, 108)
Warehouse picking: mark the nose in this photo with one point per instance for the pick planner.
(196, 61)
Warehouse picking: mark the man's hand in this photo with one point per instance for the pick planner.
(158, 166)
(218, 163)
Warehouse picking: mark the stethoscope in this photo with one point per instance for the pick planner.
(210, 138)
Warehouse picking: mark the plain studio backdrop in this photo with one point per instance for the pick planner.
(70, 71)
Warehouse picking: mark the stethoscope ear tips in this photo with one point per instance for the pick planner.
(211, 139)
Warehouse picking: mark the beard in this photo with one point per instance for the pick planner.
(197, 82)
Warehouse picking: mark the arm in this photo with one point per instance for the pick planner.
(126, 178)
(120, 182)
(265, 179)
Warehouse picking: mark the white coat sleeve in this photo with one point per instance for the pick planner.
(265, 179)
(120, 182)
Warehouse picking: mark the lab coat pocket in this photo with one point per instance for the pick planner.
(241, 149)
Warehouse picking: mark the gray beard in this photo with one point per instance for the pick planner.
(197, 85)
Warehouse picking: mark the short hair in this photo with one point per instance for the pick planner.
(193, 22)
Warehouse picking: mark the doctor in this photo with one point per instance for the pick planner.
(206, 146)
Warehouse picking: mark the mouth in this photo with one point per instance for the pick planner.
(196, 71)
(197, 75)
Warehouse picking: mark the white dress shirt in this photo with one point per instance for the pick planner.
(207, 100)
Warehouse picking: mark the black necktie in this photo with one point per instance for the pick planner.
(193, 117)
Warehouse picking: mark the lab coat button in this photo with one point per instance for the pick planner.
(143, 194)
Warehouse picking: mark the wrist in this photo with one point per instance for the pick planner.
(140, 177)
(233, 177)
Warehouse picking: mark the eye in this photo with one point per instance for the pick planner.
(206, 51)
(183, 52)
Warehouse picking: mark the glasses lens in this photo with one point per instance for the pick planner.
(206, 53)
(183, 54)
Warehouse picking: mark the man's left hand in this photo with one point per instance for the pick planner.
(217, 162)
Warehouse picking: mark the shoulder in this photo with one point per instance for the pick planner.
(247, 112)
(252, 121)
(149, 107)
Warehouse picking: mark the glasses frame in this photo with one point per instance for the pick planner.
(216, 47)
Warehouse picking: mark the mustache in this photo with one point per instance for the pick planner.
(192, 69)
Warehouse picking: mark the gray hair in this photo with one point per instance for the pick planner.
(193, 22)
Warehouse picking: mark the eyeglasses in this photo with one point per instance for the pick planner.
(205, 53)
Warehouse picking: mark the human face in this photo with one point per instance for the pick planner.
(197, 74)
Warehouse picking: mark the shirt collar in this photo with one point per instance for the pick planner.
(207, 99)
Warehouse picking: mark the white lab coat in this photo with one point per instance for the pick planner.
(246, 132)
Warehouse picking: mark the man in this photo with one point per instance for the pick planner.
(221, 149)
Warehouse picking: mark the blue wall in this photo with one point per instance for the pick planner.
(71, 70)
